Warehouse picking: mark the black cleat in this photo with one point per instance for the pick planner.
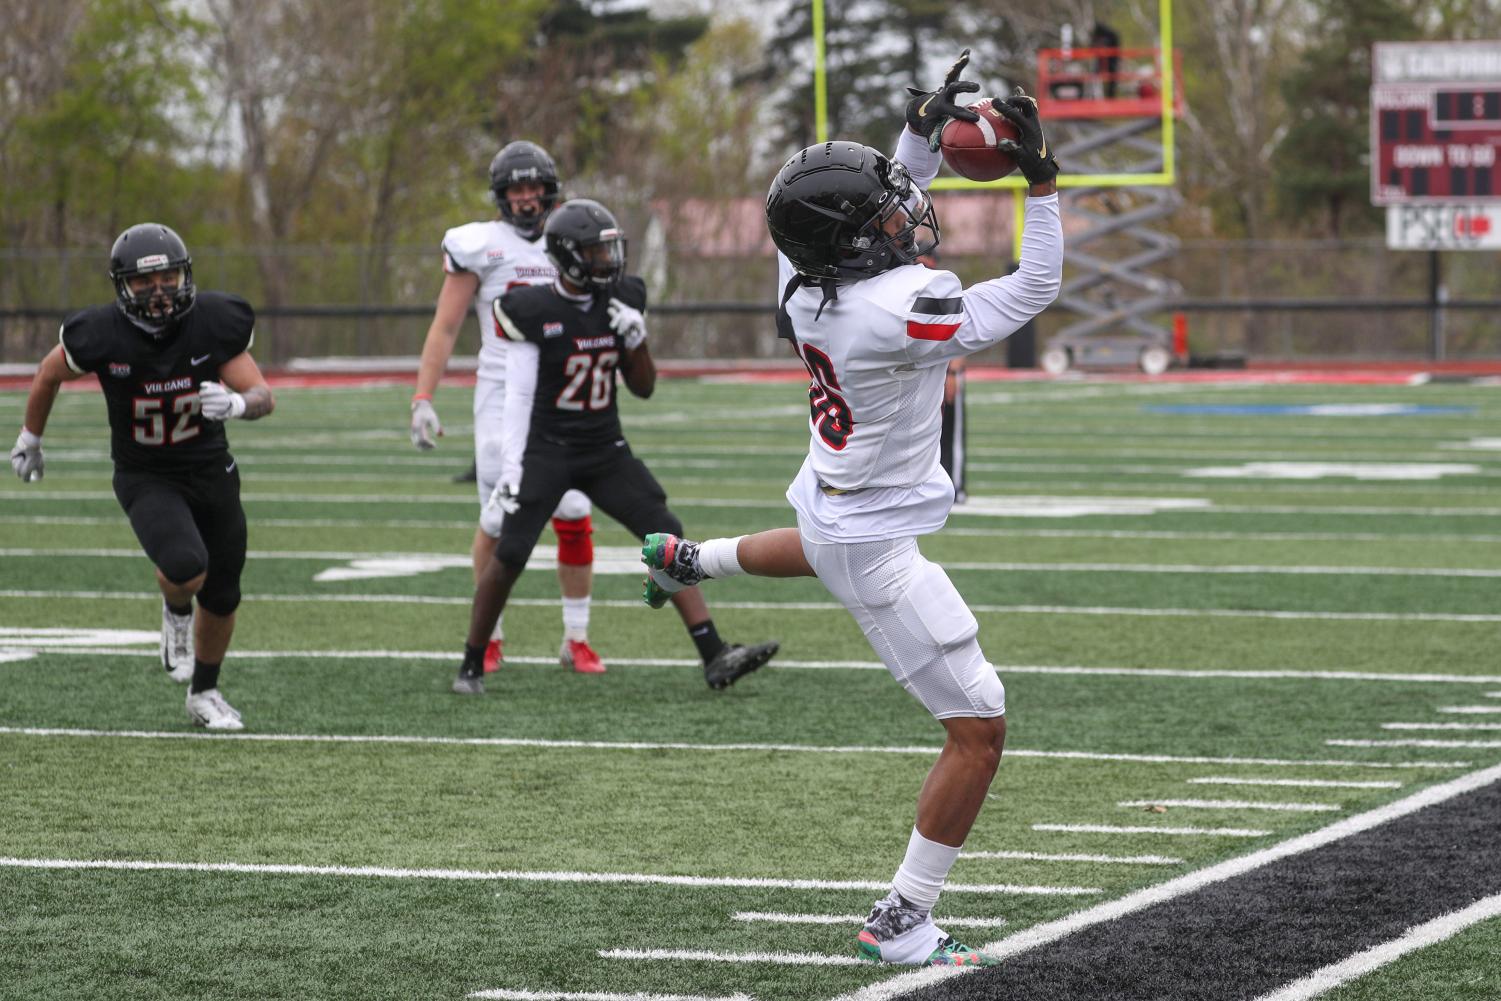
(735, 662)
(468, 683)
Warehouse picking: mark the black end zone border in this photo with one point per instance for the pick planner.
(1247, 935)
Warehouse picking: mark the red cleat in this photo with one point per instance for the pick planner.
(578, 656)
(493, 657)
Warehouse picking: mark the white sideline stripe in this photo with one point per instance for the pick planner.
(852, 919)
(501, 994)
(620, 745)
(1417, 937)
(1217, 780)
(1218, 832)
(1470, 709)
(1476, 744)
(859, 665)
(1232, 804)
(1177, 568)
(825, 606)
(1493, 695)
(1108, 859)
(1441, 726)
(511, 875)
(999, 533)
(1111, 910)
(702, 956)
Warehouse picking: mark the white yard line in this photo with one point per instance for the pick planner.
(1111, 910)
(1470, 709)
(608, 745)
(824, 606)
(1143, 568)
(1296, 783)
(852, 919)
(468, 499)
(1216, 832)
(482, 875)
(998, 533)
(500, 994)
(1455, 744)
(814, 665)
(703, 956)
(1326, 979)
(1105, 859)
(1231, 804)
(1441, 726)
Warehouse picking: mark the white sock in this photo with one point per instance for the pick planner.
(499, 632)
(576, 618)
(717, 557)
(920, 878)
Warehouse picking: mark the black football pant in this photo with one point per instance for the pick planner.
(616, 481)
(188, 523)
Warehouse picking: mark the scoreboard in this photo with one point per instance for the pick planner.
(1435, 122)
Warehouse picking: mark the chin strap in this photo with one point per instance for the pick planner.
(784, 321)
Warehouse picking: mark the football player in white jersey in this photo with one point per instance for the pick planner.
(876, 331)
(481, 260)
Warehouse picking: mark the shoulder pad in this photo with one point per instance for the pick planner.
(230, 321)
(519, 312)
(86, 337)
(631, 290)
(464, 247)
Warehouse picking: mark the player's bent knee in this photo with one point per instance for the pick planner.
(510, 555)
(221, 599)
(180, 564)
(575, 541)
(573, 506)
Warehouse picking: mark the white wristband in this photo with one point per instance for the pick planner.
(28, 439)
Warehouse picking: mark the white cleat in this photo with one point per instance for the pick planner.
(177, 645)
(209, 710)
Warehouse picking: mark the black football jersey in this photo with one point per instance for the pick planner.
(151, 387)
(578, 355)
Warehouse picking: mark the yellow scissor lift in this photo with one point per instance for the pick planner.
(1105, 114)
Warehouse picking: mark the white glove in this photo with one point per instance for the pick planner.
(425, 425)
(217, 403)
(26, 457)
(504, 498)
(628, 322)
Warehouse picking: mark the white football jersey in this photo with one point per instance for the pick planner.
(877, 357)
(503, 259)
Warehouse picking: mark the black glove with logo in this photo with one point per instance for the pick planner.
(929, 109)
(1030, 148)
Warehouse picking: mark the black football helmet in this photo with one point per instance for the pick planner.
(144, 249)
(836, 210)
(524, 161)
(586, 243)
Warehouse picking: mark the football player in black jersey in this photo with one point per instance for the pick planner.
(174, 366)
(568, 340)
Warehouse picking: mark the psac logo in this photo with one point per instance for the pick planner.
(552, 330)
(119, 369)
(494, 254)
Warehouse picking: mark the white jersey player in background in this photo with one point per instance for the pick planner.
(481, 260)
(876, 331)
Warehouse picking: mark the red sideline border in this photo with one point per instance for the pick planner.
(1392, 373)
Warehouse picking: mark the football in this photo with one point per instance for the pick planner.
(969, 147)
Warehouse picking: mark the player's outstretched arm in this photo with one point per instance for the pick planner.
(26, 456)
(458, 291)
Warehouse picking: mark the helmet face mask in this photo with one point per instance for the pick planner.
(586, 243)
(153, 276)
(523, 162)
(845, 212)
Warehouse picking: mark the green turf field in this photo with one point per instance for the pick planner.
(1186, 607)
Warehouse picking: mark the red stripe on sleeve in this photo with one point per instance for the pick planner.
(931, 331)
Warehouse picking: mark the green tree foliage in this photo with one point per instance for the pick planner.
(1320, 169)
